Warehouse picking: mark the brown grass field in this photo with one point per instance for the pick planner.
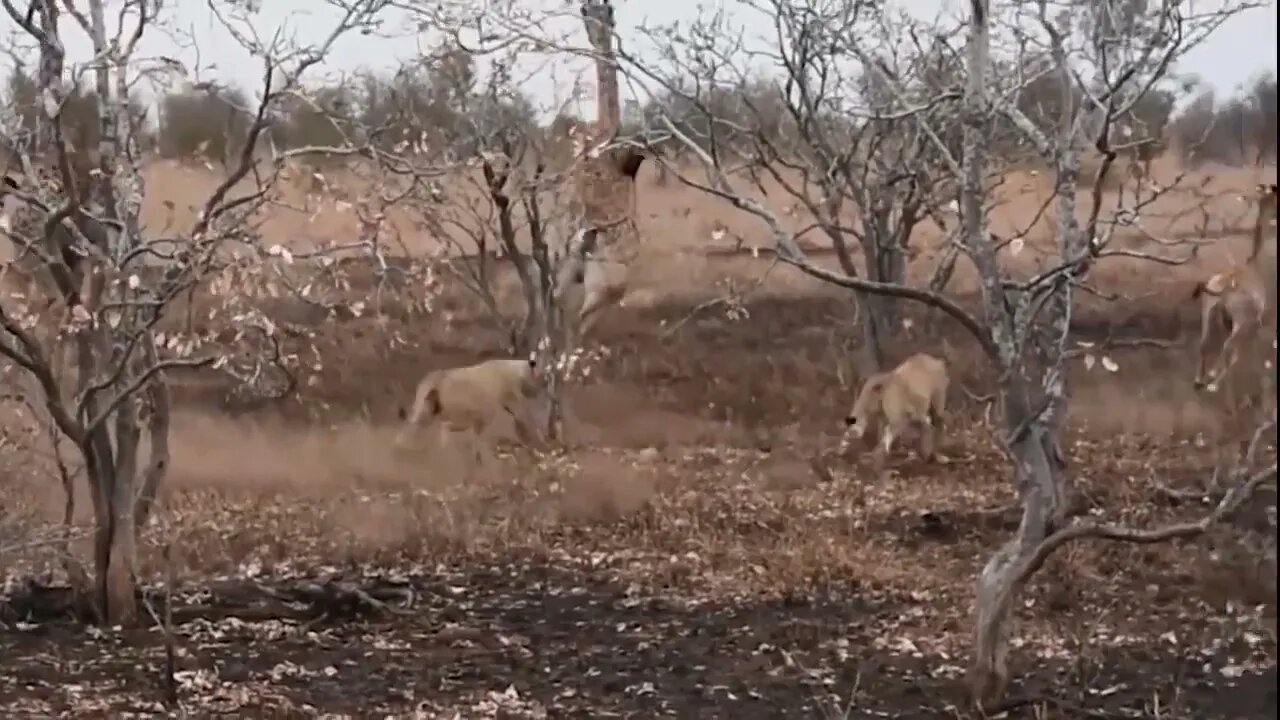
(701, 553)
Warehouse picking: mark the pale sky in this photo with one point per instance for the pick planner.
(1241, 48)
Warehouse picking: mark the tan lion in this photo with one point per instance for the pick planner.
(472, 397)
(913, 393)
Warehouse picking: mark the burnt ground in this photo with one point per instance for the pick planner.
(724, 578)
(533, 638)
(529, 638)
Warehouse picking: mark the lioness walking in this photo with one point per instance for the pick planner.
(913, 393)
(470, 398)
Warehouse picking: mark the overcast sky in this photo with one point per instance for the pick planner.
(1242, 48)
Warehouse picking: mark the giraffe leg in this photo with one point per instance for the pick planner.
(1230, 352)
(587, 320)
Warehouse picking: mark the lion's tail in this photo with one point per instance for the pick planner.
(426, 401)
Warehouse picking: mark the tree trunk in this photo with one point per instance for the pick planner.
(885, 263)
(1040, 475)
(120, 599)
(871, 349)
(551, 347)
(555, 345)
(879, 318)
(114, 544)
(1037, 466)
(554, 428)
(158, 420)
(122, 607)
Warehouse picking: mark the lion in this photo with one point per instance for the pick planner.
(913, 393)
(1235, 298)
(471, 398)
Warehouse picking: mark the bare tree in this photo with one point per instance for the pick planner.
(204, 123)
(1110, 55)
(1240, 131)
(493, 208)
(501, 215)
(832, 138)
(116, 284)
(558, 203)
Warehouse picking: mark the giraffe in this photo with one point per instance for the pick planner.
(1240, 297)
(604, 185)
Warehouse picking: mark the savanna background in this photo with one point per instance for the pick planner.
(701, 550)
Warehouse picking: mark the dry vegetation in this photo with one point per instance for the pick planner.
(698, 548)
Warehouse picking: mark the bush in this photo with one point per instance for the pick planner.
(325, 117)
(203, 125)
(1239, 131)
(80, 120)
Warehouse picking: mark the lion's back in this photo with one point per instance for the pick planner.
(923, 373)
(476, 392)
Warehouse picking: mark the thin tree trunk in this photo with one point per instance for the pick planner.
(122, 607)
(158, 421)
(884, 263)
(988, 670)
(101, 486)
(868, 311)
(556, 342)
(1039, 466)
(76, 576)
(871, 350)
(121, 602)
(874, 310)
(1039, 473)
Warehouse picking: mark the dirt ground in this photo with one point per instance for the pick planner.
(702, 551)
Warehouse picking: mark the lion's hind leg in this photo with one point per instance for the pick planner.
(938, 408)
(880, 456)
(919, 415)
(928, 439)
